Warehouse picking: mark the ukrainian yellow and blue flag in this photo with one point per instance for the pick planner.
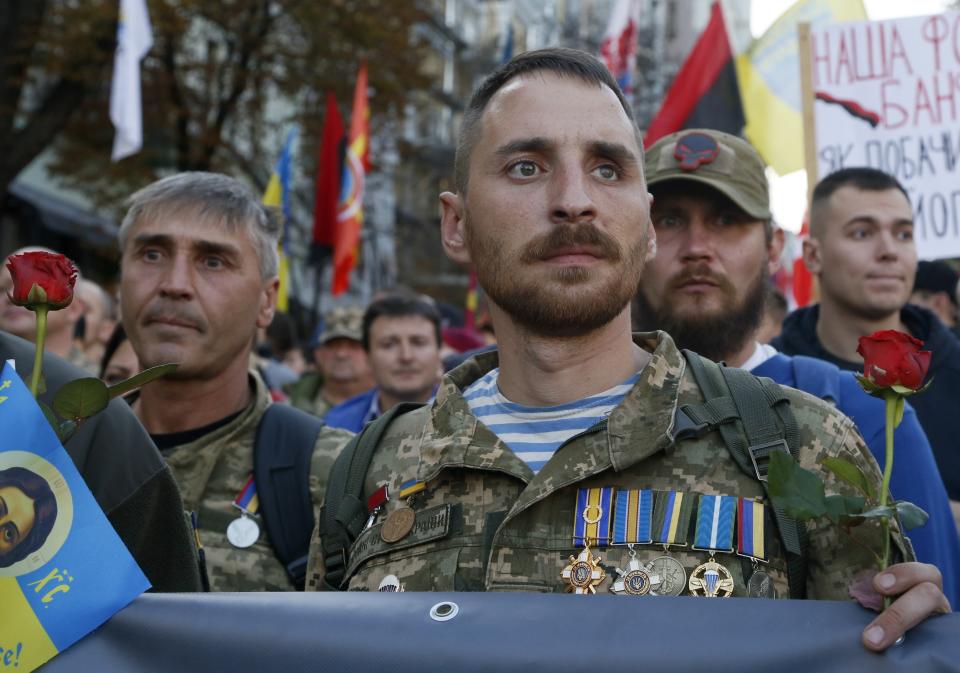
(277, 194)
(63, 569)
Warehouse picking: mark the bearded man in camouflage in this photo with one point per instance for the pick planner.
(534, 461)
(198, 277)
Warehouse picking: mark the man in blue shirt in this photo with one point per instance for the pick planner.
(716, 246)
(401, 335)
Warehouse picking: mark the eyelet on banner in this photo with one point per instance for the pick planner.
(444, 612)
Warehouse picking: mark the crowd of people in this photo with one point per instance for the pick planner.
(614, 279)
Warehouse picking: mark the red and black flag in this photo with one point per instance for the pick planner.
(705, 93)
(329, 173)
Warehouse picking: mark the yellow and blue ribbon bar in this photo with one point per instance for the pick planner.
(632, 517)
(751, 519)
(410, 487)
(66, 571)
(671, 517)
(591, 524)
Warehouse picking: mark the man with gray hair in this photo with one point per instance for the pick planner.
(198, 277)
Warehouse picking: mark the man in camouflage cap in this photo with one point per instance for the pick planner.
(343, 370)
(716, 248)
(507, 481)
(198, 277)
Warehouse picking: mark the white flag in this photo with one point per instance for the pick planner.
(134, 39)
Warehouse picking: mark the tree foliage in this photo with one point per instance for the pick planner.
(223, 82)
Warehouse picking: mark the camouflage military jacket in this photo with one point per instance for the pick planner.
(485, 522)
(212, 471)
(306, 394)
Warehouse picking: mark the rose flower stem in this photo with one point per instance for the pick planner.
(890, 398)
(41, 312)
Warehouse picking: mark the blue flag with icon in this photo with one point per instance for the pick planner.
(63, 569)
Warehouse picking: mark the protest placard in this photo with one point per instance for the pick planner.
(63, 569)
(887, 95)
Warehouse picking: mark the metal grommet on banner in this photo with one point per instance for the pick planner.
(444, 612)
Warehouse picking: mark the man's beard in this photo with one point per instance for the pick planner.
(567, 311)
(717, 336)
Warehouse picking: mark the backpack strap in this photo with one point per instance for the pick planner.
(754, 418)
(344, 511)
(282, 452)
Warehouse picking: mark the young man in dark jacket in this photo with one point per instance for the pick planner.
(861, 249)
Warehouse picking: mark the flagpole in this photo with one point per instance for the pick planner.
(807, 98)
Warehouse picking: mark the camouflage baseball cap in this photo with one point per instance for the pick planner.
(727, 163)
(342, 323)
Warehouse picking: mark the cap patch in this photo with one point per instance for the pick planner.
(696, 149)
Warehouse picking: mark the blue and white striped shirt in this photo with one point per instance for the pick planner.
(535, 433)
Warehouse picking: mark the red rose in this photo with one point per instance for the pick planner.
(892, 358)
(42, 278)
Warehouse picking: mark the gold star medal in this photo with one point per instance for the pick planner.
(583, 573)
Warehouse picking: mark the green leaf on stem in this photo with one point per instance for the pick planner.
(798, 491)
(851, 474)
(140, 379)
(911, 516)
(81, 398)
(845, 509)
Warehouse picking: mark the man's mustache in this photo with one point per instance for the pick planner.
(567, 236)
(181, 314)
(699, 273)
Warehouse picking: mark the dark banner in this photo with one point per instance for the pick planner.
(293, 633)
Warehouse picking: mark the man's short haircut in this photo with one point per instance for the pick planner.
(560, 61)
(213, 197)
(397, 306)
(860, 177)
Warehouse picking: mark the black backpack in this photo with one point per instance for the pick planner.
(282, 452)
(752, 414)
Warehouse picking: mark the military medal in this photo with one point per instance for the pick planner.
(632, 512)
(667, 576)
(591, 525)
(397, 525)
(583, 573)
(761, 585)
(400, 521)
(390, 584)
(711, 579)
(714, 533)
(751, 538)
(672, 511)
(244, 531)
(637, 580)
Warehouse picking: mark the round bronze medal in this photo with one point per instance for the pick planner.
(397, 525)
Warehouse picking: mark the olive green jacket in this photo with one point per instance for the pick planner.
(214, 469)
(306, 394)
